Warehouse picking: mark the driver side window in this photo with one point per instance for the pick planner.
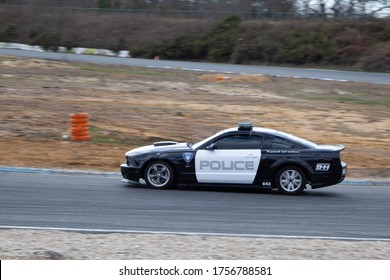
(239, 142)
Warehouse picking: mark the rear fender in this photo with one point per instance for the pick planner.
(304, 166)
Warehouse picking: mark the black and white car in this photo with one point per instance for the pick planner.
(245, 155)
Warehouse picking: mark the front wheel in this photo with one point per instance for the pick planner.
(290, 180)
(159, 175)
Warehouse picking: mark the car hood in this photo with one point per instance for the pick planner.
(160, 147)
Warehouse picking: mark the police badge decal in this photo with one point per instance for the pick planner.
(187, 158)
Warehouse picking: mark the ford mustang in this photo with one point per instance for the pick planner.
(244, 155)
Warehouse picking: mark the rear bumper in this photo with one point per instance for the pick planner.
(130, 173)
(344, 168)
(334, 178)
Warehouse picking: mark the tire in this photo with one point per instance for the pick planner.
(81, 138)
(79, 130)
(79, 116)
(81, 133)
(290, 180)
(159, 175)
(79, 122)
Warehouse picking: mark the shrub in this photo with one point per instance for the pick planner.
(187, 46)
(378, 59)
(9, 34)
(221, 40)
(49, 41)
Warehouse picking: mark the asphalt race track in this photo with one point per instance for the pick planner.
(321, 74)
(103, 202)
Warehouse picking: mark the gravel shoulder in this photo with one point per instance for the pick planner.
(45, 244)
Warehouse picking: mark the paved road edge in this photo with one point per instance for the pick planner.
(356, 182)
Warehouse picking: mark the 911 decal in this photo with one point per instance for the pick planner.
(322, 167)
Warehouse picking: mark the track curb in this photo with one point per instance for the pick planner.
(57, 171)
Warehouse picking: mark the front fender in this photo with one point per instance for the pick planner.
(145, 160)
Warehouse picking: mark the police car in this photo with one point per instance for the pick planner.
(244, 155)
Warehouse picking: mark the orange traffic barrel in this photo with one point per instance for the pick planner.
(79, 127)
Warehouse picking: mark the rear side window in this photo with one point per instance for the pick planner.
(276, 143)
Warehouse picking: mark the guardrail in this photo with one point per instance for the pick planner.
(17, 46)
(105, 52)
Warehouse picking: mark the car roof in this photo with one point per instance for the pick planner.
(261, 130)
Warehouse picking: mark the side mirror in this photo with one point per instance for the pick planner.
(212, 147)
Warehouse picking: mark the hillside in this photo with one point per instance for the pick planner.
(353, 44)
(131, 107)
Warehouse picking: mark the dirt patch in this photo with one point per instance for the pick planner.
(131, 106)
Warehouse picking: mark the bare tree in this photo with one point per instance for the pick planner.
(377, 6)
(343, 7)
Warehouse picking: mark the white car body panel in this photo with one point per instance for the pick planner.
(227, 166)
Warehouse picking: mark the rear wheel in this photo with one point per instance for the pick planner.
(290, 180)
(159, 175)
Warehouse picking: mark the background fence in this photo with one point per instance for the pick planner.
(203, 13)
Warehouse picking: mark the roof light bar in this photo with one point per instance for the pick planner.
(247, 126)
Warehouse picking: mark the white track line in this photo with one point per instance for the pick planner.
(82, 230)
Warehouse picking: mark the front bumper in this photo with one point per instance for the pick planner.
(130, 173)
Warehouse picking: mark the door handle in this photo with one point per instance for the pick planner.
(251, 156)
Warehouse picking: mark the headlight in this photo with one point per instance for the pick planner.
(130, 161)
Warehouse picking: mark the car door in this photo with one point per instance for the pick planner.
(233, 159)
